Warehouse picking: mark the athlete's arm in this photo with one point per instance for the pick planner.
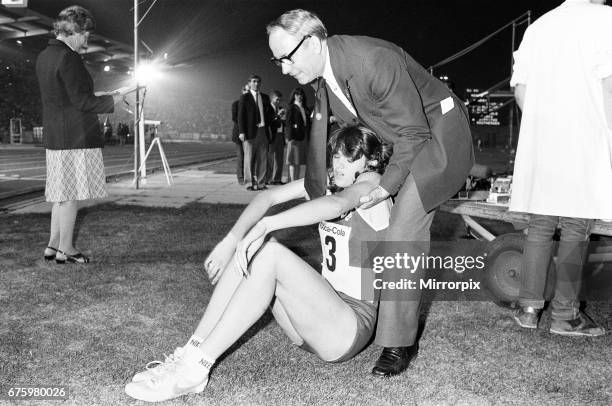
(263, 202)
(325, 207)
(310, 212)
(220, 256)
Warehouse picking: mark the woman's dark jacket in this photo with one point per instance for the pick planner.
(70, 108)
(295, 127)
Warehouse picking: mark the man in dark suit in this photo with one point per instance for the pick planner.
(236, 139)
(276, 148)
(377, 84)
(254, 117)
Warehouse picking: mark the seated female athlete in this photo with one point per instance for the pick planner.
(328, 314)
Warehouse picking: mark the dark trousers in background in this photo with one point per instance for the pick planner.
(239, 162)
(256, 158)
(571, 255)
(276, 151)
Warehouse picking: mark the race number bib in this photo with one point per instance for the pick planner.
(335, 246)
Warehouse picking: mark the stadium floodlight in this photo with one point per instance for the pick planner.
(148, 72)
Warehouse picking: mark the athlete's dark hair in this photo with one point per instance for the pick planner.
(355, 142)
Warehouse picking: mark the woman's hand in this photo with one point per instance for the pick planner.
(217, 260)
(249, 245)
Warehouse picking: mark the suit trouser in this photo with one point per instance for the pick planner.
(239, 161)
(398, 320)
(276, 151)
(256, 157)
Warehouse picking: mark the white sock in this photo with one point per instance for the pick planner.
(195, 356)
(205, 361)
(194, 341)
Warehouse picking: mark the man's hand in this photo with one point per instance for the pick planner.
(241, 137)
(377, 195)
(220, 256)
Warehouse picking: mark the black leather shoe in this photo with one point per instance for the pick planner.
(394, 360)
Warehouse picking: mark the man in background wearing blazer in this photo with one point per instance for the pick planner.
(236, 139)
(276, 148)
(377, 84)
(254, 118)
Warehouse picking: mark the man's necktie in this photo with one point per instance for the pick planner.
(259, 110)
(315, 180)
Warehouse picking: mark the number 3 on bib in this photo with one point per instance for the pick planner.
(335, 246)
(329, 248)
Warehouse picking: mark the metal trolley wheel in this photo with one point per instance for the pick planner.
(504, 266)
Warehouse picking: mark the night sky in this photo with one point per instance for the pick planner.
(223, 42)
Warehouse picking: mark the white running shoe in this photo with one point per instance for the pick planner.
(174, 380)
(154, 368)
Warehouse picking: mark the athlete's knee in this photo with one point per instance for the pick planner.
(267, 257)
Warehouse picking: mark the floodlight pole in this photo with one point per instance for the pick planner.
(139, 140)
(137, 109)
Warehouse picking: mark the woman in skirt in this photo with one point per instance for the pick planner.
(72, 135)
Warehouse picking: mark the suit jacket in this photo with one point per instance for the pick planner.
(70, 107)
(399, 100)
(235, 131)
(295, 127)
(248, 115)
(277, 123)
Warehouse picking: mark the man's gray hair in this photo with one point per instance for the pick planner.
(299, 22)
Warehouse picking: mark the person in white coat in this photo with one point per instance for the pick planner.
(563, 172)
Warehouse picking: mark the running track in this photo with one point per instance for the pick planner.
(23, 168)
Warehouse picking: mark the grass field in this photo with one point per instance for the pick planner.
(92, 327)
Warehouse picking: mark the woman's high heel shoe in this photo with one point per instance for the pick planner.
(50, 257)
(61, 258)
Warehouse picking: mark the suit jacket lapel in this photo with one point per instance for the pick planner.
(337, 59)
(339, 110)
(339, 64)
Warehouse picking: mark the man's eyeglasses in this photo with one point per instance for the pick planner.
(287, 58)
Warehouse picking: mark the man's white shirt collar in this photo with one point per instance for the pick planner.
(329, 77)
